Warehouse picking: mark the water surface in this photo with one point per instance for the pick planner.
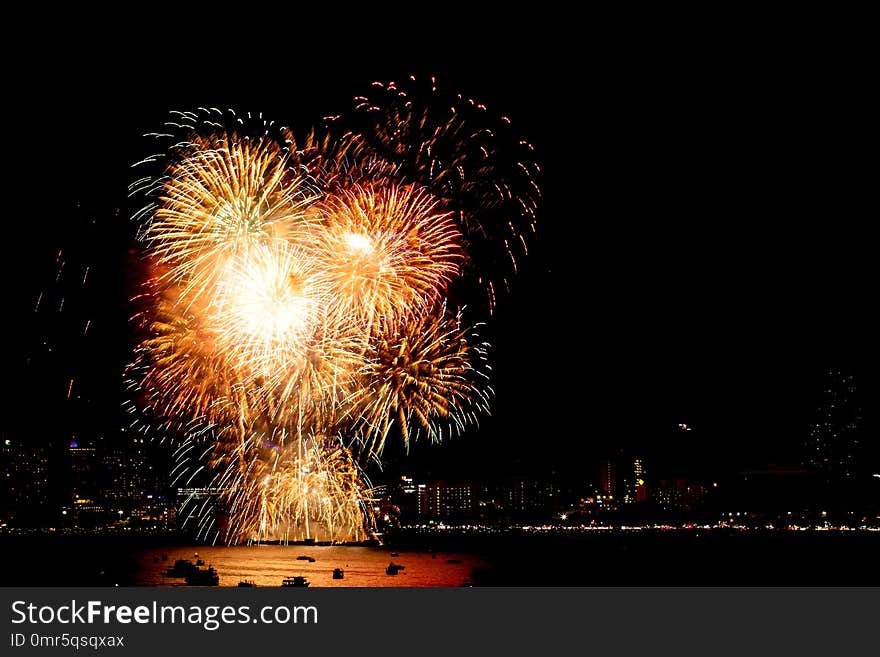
(267, 565)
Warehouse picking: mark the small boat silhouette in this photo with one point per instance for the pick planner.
(393, 568)
(338, 573)
(181, 568)
(206, 577)
(298, 581)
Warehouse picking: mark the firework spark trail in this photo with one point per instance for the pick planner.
(296, 309)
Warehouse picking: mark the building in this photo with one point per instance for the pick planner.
(85, 506)
(198, 493)
(402, 500)
(110, 482)
(673, 495)
(531, 497)
(24, 481)
(608, 477)
(128, 475)
(153, 513)
(636, 489)
(447, 501)
(832, 446)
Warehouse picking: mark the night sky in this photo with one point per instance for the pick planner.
(703, 255)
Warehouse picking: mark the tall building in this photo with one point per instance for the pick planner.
(24, 481)
(636, 488)
(85, 506)
(536, 497)
(679, 495)
(832, 446)
(447, 501)
(608, 477)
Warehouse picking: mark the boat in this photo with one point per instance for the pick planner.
(303, 557)
(246, 583)
(181, 568)
(298, 581)
(338, 573)
(393, 568)
(203, 577)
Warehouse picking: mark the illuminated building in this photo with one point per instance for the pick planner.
(636, 488)
(443, 500)
(129, 476)
(608, 477)
(831, 449)
(527, 496)
(402, 499)
(640, 488)
(83, 466)
(679, 495)
(24, 483)
(198, 493)
(407, 486)
(154, 514)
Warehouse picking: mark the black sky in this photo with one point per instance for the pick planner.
(705, 250)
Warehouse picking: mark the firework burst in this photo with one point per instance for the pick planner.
(471, 160)
(265, 306)
(386, 253)
(430, 374)
(296, 314)
(222, 196)
(292, 489)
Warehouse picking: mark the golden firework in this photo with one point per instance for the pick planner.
(267, 302)
(221, 195)
(386, 253)
(429, 374)
(295, 489)
(297, 309)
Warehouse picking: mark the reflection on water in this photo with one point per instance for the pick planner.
(267, 565)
